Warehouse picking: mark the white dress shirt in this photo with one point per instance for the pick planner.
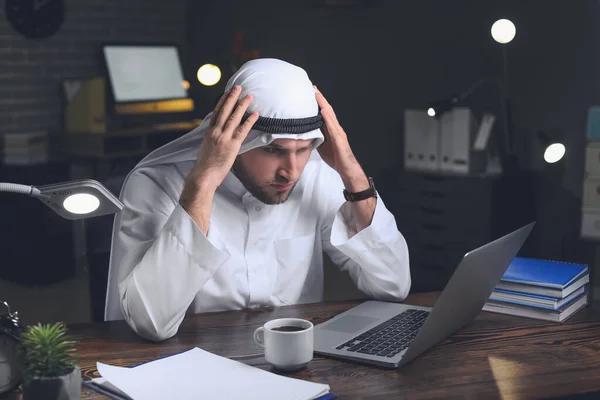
(254, 254)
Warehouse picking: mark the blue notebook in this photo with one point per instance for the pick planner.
(533, 300)
(544, 273)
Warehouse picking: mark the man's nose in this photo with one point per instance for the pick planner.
(289, 169)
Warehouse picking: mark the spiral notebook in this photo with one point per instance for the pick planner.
(197, 374)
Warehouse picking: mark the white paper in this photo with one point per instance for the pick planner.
(197, 374)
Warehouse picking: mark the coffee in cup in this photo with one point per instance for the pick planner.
(288, 328)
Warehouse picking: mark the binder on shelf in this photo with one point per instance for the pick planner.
(457, 137)
(451, 143)
(421, 139)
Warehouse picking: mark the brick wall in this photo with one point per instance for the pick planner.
(31, 71)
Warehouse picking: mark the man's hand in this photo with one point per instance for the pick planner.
(336, 152)
(223, 139)
(219, 148)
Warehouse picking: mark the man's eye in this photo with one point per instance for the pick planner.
(271, 150)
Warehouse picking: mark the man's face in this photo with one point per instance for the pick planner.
(270, 173)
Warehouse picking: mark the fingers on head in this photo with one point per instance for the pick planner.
(235, 118)
(228, 104)
(218, 107)
(242, 130)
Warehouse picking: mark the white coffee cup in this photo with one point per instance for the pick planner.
(289, 349)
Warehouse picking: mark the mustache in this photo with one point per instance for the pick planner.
(281, 180)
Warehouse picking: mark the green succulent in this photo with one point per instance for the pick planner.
(47, 351)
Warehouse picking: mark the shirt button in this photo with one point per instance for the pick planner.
(257, 208)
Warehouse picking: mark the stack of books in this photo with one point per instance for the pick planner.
(541, 289)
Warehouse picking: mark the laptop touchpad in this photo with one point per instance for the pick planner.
(350, 323)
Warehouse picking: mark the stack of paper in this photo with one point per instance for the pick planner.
(197, 374)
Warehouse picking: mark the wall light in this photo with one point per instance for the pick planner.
(71, 200)
(503, 31)
(209, 74)
(552, 145)
(554, 153)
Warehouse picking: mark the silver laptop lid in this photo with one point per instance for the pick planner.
(467, 290)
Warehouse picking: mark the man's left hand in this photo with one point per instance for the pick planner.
(336, 151)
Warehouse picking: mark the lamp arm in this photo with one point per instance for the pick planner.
(504, 104)
(17, 188)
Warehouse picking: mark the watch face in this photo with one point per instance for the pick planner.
(35, 18)
(10, 364)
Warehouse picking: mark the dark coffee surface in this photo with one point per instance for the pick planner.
(288, 328)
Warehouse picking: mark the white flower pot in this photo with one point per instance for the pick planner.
(66, 387)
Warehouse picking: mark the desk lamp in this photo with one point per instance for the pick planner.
(554, 151)
(71, 200)
(503, 31)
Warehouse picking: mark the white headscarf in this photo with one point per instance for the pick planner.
(279, 89)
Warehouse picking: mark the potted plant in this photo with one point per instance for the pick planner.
(50, 363)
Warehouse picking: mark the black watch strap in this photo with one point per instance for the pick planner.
(362, 195)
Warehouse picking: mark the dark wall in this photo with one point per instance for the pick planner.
(31, 70)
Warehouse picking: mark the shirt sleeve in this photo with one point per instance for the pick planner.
(377, 257)
(161, 258)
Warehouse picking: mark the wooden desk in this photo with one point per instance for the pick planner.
(497, 356)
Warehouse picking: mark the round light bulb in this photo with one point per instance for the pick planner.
(431, 112)
(209, 74)
(554, 152)
(81, 203)
(503, 31)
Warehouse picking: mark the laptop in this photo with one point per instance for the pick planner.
(390, 335)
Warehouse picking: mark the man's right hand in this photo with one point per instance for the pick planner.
(223, 139)
(219, 148)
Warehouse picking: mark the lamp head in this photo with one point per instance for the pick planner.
(79, 199)
(554, 150)
(554, 153)
(439, 107)
(503, 31)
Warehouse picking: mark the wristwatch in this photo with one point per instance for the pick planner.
(363, 195)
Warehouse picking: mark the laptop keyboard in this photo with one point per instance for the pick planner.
(390, 337)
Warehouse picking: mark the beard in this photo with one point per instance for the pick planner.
(260, 192)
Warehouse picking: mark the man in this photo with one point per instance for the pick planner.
(237, 213)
